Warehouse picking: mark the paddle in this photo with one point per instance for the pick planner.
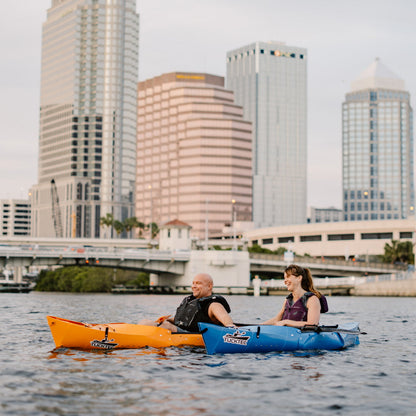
(318, 329)
(162, 319)
(330, 328)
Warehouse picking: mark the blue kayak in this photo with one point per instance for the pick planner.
(266, 338)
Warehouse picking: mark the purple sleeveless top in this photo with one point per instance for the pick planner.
(298, 311)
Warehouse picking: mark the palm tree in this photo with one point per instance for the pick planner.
(130, 223)
(107, 221)
(154, 230)
(141, 226)
(391, 251)
(398, 252)
(119, 227)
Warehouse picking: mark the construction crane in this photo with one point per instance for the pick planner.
(56, 210)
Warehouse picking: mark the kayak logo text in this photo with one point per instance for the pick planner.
(105, 343)
(238, 337)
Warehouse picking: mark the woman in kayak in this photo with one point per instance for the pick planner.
(304, 304)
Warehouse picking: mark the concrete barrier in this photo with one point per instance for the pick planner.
(405, 288)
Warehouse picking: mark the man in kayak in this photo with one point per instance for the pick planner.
(201, 306)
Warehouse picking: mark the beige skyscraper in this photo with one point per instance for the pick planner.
(193, 153)
(87, 138)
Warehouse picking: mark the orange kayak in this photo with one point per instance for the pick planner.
(73, 334)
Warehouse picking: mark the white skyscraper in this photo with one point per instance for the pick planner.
(377, 152)
(87, 137)
(269, 81)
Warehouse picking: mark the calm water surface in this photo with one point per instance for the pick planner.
(377, 377)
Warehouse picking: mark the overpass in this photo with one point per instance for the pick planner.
(125, 254)
(274, 266)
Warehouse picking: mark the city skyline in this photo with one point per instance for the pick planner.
(341, 40)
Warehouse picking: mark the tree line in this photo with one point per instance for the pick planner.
(129, 224)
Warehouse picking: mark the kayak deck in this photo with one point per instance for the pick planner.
(73, 334)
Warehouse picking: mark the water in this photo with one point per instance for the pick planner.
(377, 377)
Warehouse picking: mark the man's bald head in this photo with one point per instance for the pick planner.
(202, 285)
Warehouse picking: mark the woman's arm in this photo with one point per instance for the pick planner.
(314, 313)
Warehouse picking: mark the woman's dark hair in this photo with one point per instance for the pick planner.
(307, 282)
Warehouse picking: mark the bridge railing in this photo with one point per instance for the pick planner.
(326, 261)
(318, 282)
(390, 277)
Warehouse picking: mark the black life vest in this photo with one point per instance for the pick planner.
(193, 310)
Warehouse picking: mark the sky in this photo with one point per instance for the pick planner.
(342, 38)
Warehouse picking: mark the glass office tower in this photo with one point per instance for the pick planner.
(87, 138)
(269, 81)
(378, 181)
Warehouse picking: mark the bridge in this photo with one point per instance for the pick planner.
(175, 268)
(135, 255)
(273, 265)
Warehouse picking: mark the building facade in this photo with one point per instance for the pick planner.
(269, 81)
(193, 153)
(377, 138)
(87, 138)
(330, 214)
(15, 217)
(347, 239)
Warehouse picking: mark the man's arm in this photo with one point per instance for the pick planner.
(219, 315)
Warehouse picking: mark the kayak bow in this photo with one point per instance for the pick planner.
(73, 334)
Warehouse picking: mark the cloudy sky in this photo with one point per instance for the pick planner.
(342, 38)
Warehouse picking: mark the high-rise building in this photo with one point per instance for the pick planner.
(377, 155)
(269, 81)
(87, 138)
(14, 217)
(193, 153)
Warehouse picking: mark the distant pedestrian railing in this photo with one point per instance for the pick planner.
(390, 277)
(326, 261)
(345, 281)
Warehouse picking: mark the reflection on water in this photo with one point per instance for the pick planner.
(63, 353)
(376, 377)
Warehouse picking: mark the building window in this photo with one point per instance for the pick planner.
(337, 237)
(305, 238)
(406, 234)
(286, 239)
(267, 241)
(376, 236)
(79, 191)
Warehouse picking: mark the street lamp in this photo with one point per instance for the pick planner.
(233, 219)
(151, 212)
(206, 224)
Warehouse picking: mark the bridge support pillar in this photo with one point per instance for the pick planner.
(18, 274)
(153, 279)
